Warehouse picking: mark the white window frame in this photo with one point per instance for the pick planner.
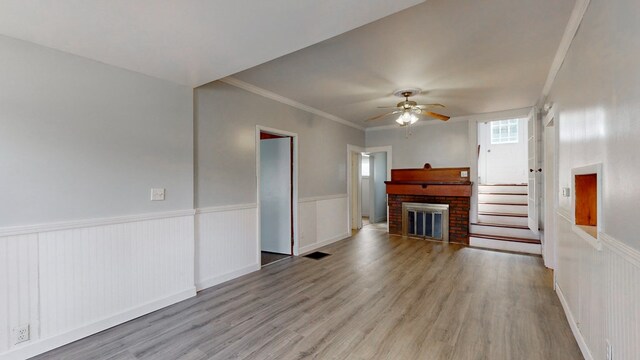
(509, 137)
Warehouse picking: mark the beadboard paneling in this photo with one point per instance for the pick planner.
(322, 221)
(226, 244)
(600, 291)
(19, 286)
(70, 283)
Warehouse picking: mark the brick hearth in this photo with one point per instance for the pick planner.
(458, 213)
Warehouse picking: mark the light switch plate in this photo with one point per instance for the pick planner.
(464, 174)
(566, 192)
(157, 194)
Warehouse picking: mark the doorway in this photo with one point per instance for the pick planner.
(276, 195)
(377, 163)
(374, 196)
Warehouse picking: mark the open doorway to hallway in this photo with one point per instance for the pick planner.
(374, 197)
(276, 196)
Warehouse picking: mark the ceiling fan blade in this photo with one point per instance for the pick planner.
(387, 107)
(383, 115)
(424, 106)
(436, 115)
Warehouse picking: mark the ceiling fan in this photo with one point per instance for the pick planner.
(409, 110)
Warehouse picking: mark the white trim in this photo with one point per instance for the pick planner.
(628, 253)
(212, 281)
(324, 197)
(281, 99)
(595, 242)
(294, 200)
(30, 349)
(211, 209)
(75, 224)
(353, 149)
(579, 9)
(574, 326)
(551, 114)
(309, 248)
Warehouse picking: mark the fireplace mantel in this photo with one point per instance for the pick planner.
(430, 181)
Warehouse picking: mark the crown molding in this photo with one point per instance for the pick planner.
(281, 99)
(579, 9)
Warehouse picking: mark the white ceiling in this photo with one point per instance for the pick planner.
(473, 56)
(191, 42)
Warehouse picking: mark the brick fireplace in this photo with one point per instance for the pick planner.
(449, 186)
(458, 213)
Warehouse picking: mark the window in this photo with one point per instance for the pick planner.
(365, 165)
(504, 131)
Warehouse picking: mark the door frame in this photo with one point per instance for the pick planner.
(474, 120)
(294, 198)
(359, 149)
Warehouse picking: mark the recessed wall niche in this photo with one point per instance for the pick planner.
(586, 206)
(586, 200)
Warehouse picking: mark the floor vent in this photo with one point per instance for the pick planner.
(316, 255)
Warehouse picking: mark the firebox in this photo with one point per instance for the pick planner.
(428, 221)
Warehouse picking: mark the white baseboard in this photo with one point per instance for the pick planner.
(574, 326)
(309, 248)
(212, 281)
(505, 245)
(41, 346)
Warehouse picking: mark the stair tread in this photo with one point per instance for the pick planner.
(506, 238)
(494, 203)
(502, 214)
(523, 227)
(499, 193)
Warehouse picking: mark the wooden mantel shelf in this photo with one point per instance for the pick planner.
(430, 182)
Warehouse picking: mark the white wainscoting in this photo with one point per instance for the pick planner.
(226, 243)
(322, 221)
(599, 290)
(73, 279)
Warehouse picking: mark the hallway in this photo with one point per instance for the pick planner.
(377, 297)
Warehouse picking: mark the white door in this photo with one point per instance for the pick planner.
(275, 195)
(503, 161)
(532, 145)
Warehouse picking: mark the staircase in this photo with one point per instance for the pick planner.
(502, 220)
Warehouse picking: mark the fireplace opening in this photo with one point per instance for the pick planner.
(428, 221)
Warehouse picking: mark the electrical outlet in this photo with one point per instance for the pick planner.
(21, 334)
(157, 194)
(464, 174)
(609, 351)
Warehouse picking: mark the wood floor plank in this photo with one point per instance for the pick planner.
(378, 296)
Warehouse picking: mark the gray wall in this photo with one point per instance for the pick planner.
(440, 144)
(597, 93)
(226, 119)
(80, 139)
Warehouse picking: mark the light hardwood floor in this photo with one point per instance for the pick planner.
(376, 297)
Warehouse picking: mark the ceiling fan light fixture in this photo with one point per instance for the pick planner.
(407, 118)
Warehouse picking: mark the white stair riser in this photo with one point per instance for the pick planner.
(503, 199)
(506, 245)
(502, 189)
(506, 220)
(505, 209)
(502, 231)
